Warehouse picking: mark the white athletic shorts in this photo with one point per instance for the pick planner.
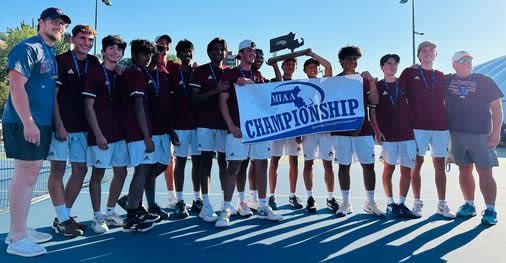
(187, 143)
(403, 153)
(318, 146)
(138, 154)
(286, 147)
(116, 155)
(73, 149)
(439, 142)
(236, 151)
(162, 148)
(354, 149)
(211, 140)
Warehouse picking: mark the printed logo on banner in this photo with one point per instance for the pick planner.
(297, 108)
(288, 93)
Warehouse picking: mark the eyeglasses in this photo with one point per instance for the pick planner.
(464, 60)
(56, 22)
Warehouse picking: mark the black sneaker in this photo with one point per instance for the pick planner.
(123, 202)
(180, 210)
(295, 202)
(405, 212)
(332, 204)
(196, 206)
(157, 210)
(393, 210)
(272, 203)
(67, 228)
(79, 225)
(146, 216)
(311, 207)
(136, 224)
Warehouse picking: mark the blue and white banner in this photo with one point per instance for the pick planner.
(279, 110)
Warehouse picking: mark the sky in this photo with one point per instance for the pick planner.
(378, 27)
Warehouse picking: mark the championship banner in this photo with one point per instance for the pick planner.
(278, 110)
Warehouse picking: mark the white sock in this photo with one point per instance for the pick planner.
(309, 193)
(205, 199)
(370, 196)
(346, 196)
(227, 205)
(390, 200)
(402, 199)
(253, 195)
(273, 195)
(330, 195)
(172, 195)
(97, 214)
(241, 197)
(292, 194)
(62, 213)
(196, 195)
(491, 207)
(179, 196)
(109, 211)
(263, 202)
(470, 202)
(68, 210)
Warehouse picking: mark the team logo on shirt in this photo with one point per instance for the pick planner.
(462, 88)
(70, 72)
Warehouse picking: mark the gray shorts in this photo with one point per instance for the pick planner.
(466, 148)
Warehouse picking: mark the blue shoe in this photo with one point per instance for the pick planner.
(466, 211)
(393, 210)
(489, 217)
(406, 213)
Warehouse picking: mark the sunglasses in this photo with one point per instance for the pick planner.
(464, 60)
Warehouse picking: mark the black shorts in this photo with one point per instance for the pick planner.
(17, 148)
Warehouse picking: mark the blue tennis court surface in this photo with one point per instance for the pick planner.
(300, 237)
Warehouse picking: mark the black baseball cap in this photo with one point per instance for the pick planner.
(54, 13)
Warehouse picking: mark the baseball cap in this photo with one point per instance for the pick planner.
(54, 13)
(164, 36)
(247, 43)
(460, 54)
(423, 44)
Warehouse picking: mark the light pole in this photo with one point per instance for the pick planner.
(107, 3)
(413, 26)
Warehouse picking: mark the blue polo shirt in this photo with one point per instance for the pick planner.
(36, 61)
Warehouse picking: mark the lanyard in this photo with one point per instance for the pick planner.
(394, 99)
(243, 75)
(76, 65)
(182, 80)
(214, 75)
(463, 88)
(156, 82)
(425, 80)
(107, 82)
(50, 55)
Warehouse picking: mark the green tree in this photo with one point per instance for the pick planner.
(9, 39)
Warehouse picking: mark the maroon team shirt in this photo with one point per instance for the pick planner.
(425, 99)
(134, 84)
(107, 103)
(365, 129)
(232, 76)
(70, 100)
(184, 112)
(206, 79)
(159, 102)
(393, 121)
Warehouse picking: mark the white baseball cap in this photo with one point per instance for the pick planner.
(460, 54)
(247, 43)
